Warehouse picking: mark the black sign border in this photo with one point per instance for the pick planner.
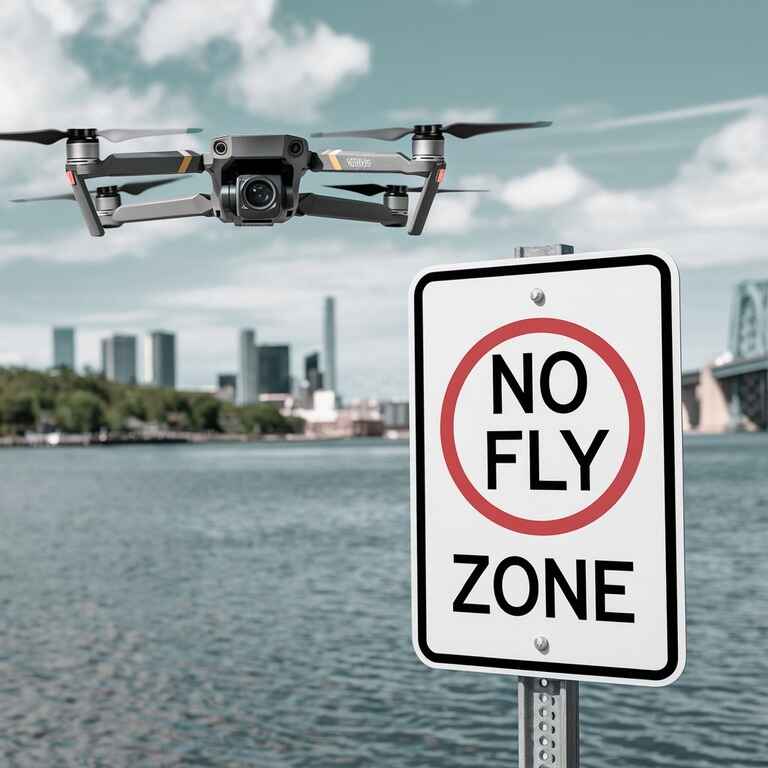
(669, 428)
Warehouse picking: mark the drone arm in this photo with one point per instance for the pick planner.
(178, 208)
(85, 201)
(148, 163)
(418, 219)
(351, 210)
(368, 162)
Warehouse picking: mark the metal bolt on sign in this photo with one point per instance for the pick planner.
(547, 710)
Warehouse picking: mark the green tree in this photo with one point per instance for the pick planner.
(18, 411)
(80, 411)
(205, 414)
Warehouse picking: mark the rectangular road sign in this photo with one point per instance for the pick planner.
(546, 468)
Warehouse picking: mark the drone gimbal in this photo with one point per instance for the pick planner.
(256, 179)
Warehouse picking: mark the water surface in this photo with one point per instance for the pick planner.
(248, 605)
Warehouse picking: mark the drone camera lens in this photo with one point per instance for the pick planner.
(295, 148)
(259, 194)
(220, 147)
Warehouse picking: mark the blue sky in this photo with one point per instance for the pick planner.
(660, 139)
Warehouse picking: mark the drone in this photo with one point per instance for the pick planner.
(255, 180)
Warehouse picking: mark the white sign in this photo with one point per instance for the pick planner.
(546, 468)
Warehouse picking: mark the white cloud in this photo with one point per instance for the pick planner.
(280, 73)
(548, 187)
(685, 113)
(714, 209)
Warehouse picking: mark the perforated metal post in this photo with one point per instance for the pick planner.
(547, 710)
(548, 723)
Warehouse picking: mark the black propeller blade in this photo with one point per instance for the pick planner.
(52, 135)
(459, 130)
(130, 188)
(376, 189)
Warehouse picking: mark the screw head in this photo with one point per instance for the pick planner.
(538, 297)
(541, 644)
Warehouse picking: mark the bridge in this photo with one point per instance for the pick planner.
(731, 394)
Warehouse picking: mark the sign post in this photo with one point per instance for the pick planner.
(546, 473)
(547, 710)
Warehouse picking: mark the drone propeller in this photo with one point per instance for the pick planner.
(376, 189)
(459, 130)
(52, 135)
(130, 188)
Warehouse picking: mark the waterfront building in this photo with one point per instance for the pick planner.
(64, 348)
(226, 387)
(312, 374)
(394, 414)
(160, 359)
(274, 369)
(330, 380)
(248, 374)
(118, 358)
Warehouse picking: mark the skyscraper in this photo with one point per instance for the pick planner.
(274, 369)
(312, 374)
(248, 374)
(118, 358)
(160, 359)
(329, 342)
(64, 348)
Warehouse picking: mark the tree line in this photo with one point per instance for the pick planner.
(61, 400)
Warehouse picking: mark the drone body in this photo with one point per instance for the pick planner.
(255, 180)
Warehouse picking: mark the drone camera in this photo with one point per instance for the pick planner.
(258, 177)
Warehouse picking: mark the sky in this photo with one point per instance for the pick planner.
(660, 139)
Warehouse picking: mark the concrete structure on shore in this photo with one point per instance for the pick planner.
(732, 393)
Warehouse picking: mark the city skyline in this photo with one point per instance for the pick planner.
(677, 161)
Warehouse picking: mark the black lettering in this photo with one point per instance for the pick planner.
(578, 599)
(494, 458)
(602, 589)
(460, 604)
(523, 394)
(537, 484)
(498, 586)
(581, 382)
(584, 458)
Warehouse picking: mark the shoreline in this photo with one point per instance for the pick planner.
(59, 440)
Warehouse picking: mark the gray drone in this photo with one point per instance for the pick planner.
(255, 179)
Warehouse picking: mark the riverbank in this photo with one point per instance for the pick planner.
(58, 439)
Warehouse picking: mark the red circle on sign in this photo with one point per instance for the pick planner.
(635, 440)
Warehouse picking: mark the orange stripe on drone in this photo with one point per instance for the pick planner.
(185, 161)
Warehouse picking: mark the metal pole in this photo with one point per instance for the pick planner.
(547, 710)
(548, 723)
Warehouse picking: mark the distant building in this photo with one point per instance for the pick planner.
(248, 374)
(118, 358)
(64, 348)
(330, 380)
(160, 359)
(274, 369)
(312, 373)
(226, 387)
(394, 414)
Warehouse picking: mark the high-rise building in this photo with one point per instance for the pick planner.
(329, 343)
(274, 369)
(226, 387)
(118, 358)
(160, 359)
(312, 374)
(248, 374)
(64, 348)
